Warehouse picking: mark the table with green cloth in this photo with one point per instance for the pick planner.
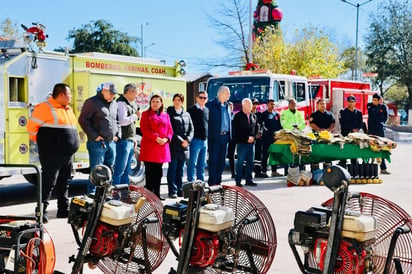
(281, 154)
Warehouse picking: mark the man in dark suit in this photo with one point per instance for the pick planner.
(219, 129)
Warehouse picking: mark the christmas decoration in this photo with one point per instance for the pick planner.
(267, 14)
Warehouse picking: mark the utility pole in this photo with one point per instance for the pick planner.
(357, 6)
(141, 40)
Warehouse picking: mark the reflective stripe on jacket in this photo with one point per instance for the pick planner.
(53, 127)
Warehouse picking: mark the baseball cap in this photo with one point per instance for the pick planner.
(255, 101)
(351, 99)
(109, 86)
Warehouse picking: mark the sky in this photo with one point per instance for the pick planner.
(176, 30)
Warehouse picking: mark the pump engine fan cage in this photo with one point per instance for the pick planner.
(157, 244)
(261, 235)
(389, 216)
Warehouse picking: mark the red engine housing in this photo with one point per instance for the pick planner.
(104, 241)
(348, 260)
(205, 249)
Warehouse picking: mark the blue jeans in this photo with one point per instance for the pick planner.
(175, 176)
(217, 158)
(197, 160)
(124, 157)
(101, 152)
(245, 153)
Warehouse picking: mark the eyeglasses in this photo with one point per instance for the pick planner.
(202, 98)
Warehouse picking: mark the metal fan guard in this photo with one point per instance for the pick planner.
(157, 244)
(389, 216)
(261, 235)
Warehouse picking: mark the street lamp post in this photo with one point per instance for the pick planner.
(357, 6)
(141, 39)
(146, 47)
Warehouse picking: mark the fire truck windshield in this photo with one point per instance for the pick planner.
(241, 87)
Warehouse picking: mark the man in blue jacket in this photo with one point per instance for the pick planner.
(219, 130)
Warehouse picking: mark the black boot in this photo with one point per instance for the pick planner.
(62, 209)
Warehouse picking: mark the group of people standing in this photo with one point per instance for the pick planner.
(178, 136)
(174, 136)
(351, 120)
(110, 128)
(253, 133)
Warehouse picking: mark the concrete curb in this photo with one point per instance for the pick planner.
(397, 136)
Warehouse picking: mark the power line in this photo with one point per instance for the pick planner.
(172, 56)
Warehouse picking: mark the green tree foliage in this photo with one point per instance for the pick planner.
(389, 44)
(270, 50)
(348, 57)
(397, 94)
(99, 36)
(312, 54)
(9, 28)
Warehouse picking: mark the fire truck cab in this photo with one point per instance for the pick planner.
(263, 86)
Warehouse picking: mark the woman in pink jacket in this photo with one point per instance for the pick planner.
(154, 148)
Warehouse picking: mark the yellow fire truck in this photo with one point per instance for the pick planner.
(27, 78)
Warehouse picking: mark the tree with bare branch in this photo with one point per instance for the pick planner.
(230, 18)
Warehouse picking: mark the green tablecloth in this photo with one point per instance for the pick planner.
(281, 154)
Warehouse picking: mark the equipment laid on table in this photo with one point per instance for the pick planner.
(294, 147)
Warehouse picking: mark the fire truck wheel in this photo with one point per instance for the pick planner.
(136, 174)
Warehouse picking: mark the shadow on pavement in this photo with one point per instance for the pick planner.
(19, 193)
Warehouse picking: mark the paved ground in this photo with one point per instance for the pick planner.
(282, 202)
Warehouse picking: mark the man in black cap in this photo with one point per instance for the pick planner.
(258, 144)
(350, 119)
(377, 116)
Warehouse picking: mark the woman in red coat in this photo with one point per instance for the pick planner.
(154, 148)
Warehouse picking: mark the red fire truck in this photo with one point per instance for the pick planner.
(264, 85)
(335, 92)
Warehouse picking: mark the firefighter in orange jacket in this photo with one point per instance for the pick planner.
(53, 126)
